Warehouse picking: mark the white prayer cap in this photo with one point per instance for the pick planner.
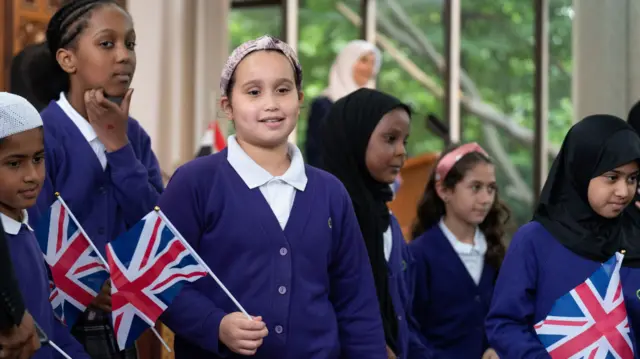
(17, 115)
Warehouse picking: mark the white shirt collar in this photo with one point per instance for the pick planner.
(255, 176)
(83, 125)
(11, 226)
(479, 245)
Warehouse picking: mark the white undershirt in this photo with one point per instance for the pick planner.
(279, 191)
(85, 128)
(471, 255)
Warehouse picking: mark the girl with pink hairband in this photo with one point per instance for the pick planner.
(457, 249)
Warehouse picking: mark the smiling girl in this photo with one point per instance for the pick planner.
(281, 235)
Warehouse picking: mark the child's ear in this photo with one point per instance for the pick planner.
(442, 192)
(300, 100)
(67, 60)
(225, 105)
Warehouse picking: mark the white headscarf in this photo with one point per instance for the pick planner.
(341, 82)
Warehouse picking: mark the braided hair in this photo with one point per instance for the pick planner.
(48, 79)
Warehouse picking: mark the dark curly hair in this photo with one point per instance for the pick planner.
(431, 208)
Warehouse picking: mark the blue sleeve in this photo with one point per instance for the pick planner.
(63, 339)
(417, 346)
(191, 315)
(319, 109)
(419, 288)
(352, 292)
(137, 182)
(509, 322)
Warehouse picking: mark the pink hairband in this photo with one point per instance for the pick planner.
(450, 159)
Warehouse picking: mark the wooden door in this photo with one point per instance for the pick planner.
(24, 22)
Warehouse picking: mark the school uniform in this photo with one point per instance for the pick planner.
(107, 192)
(538, 270)
(453, 289)
(31, 273)
(401, 272)
(287, 247)
(565, 243)
(318, 111)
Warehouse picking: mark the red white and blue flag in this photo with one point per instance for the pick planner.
(78, 272)
(591, 320)
(149, 265)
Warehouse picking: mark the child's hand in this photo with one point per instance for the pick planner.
(391, 354)
(241, 335)
(108, 119)
(20, 342)
(103, 300)
(490, 354)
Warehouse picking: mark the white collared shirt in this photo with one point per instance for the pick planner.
(279, 191)
(85, 128)
(387, 242)
(471, 255)
(11, 226)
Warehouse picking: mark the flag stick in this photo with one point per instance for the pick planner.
(82, 231)
(57, 348)
(160, 339)
(202, 263)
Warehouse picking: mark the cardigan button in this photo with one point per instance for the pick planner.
(279, 329)
(477, 298)
(101, 190)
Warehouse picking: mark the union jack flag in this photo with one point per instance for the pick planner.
(56, 301)
(591, 320)
(78, 272)
(149, 265)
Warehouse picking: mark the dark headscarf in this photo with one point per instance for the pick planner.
(20, 76)
(593, 146)
(345, 138)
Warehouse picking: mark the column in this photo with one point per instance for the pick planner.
(606, 58)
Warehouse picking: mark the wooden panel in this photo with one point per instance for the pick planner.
(415, 175)
(23, 22)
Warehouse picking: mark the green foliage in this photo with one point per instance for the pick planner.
(497, 54)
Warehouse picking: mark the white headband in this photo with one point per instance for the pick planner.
(17, 115)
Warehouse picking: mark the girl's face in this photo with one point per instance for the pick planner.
(471, 199)
(612, 191)
(265, 103)
(386, 150)
(104, 54)
(363, 69)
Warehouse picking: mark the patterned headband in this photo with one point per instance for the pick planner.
(450, 159)
(262, 43)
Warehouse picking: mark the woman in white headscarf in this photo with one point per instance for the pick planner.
(356, 66)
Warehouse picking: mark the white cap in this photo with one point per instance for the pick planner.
(17, 115)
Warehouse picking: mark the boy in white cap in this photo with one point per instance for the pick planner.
(22, 174)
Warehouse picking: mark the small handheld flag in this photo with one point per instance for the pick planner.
(149, 265)
(591, 320)
(77, 268)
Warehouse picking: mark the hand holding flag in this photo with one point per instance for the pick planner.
(150, 264)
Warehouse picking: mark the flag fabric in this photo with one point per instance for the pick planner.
(56, 301)
(591, 320)
(149, 265)
(78, 273)
(213, 140)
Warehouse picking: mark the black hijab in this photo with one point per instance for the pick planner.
(593, 146)
(345, 138)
